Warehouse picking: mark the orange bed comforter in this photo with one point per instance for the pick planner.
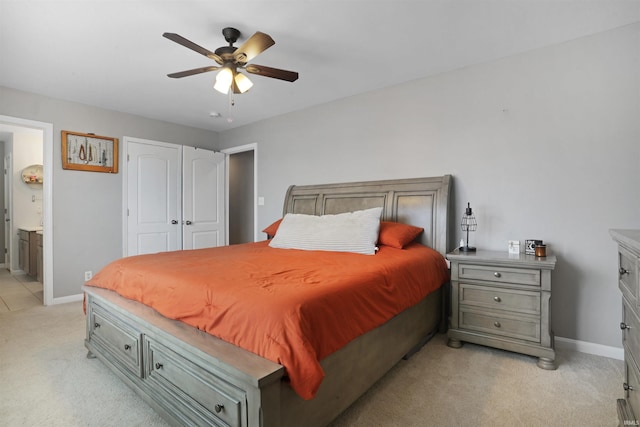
(290, 306)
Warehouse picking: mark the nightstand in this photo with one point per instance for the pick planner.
(502, 300)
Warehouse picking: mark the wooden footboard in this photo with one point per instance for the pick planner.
(188, 376)
(193, 378)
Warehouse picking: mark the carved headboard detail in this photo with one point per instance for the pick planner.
(422, 202)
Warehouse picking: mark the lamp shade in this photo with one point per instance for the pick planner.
(223, 80)
(242, 82)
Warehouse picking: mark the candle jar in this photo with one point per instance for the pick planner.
(541, 250)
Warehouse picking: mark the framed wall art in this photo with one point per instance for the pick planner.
(89, 152)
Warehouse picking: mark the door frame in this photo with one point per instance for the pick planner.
(235, 150)
(8, 203)
(47, 205)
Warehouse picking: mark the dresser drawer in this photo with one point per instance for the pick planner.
(632, 380)
(500, 298)
(520, 276)
(501, 324)
(630, 336)
(206, 398)
(628, 275)
(116, 337)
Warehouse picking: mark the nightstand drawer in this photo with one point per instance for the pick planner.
(513, 326)
(501, 299)
(520, 276)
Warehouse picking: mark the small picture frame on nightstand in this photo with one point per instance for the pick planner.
(530, 246)
(514, 246)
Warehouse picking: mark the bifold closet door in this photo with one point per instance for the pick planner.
(175, 197)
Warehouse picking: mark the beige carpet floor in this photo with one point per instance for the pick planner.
(46, 380)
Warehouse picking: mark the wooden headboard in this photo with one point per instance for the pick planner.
(422, 202)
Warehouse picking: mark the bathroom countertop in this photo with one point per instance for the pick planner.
(35, 228)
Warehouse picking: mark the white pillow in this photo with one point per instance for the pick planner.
(348, 232)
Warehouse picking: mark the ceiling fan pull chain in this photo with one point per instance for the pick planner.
(232, 103)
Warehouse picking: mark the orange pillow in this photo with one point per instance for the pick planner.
(397, 235)
(271, 230)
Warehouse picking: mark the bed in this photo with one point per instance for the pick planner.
(194, 378)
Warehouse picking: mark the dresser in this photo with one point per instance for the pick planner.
(628, 281)
(502, 300)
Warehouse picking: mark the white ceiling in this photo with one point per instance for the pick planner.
(111, 53)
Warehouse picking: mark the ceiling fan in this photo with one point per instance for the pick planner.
(231, 59)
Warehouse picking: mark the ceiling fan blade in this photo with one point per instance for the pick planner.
(257, 43)
(276, 73)
(191, 45)
(192, 72)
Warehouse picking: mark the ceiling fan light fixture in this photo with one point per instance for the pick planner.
(230, 58)
(242, 82)
(223, 80)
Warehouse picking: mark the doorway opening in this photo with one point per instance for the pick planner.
(242, 190)
(16, 130)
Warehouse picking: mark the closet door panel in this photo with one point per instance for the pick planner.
(153, 198)
(203, 198)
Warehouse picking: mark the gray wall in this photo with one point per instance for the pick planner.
(87, 206)
(544, 145)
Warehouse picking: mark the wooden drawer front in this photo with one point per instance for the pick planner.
(627, 273)
(502, 324)
(208, 399)
(520, 276)
(632, 393)
(118, 338)
(499, 298)
(630, 331)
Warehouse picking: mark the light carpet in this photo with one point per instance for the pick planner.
(46, 380)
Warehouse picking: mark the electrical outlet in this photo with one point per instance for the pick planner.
(88, 275)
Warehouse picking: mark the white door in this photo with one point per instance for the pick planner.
(203, 198)
(153, 197)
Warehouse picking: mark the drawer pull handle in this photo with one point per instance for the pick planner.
(624, 326)
(127, 347)
(497, 274)
(158, 365)
(627, 387)
(623, 271)
(497, 299)
(96, 325)
(218, 408)
(497, 324)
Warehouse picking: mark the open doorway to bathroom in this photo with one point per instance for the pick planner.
(25, 244)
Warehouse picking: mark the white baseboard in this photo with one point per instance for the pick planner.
(589, 348)
(70, 298)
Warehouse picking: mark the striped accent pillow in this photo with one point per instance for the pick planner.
(348, 232)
